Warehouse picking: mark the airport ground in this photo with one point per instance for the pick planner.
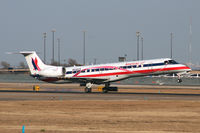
(67, 109)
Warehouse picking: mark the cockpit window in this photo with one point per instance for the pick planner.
(166, 62)
(170, 62)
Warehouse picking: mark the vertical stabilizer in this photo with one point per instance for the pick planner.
(35, 64)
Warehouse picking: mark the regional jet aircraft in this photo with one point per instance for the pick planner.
(101, 74)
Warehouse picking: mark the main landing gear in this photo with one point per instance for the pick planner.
(106, 89)
(179, 78)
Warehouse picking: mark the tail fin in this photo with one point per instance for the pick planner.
(35, 64)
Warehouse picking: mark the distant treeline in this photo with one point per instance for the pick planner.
(22, 65)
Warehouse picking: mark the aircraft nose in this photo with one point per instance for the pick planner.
(188, 68)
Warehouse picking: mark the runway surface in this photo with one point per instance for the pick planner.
(66, 108)
(18, 92)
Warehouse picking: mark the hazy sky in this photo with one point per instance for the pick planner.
(111, 27)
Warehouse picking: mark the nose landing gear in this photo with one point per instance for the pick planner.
(179, 80)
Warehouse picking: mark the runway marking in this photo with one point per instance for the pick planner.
(114, 93)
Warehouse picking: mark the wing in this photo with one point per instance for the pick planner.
(86, 80)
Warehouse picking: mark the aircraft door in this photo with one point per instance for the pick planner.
(63, 71)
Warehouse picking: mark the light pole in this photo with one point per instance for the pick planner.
(138, 39)
(171, 37)
(53, 31)
(44, 36)
(125, 56)
(58, 51)
(84, 47)
(95, 61)
(142, 47)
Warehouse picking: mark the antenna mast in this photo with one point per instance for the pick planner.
(190, 43)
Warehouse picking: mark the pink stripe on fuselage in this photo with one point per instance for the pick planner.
(134, 72)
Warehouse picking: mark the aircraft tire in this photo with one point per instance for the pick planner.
(179, 80)
(105, 90)
(88, 90)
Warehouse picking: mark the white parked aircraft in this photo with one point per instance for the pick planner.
(101, 74)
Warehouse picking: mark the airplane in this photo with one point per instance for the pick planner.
(101, 74)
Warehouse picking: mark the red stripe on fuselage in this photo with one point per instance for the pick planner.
(135, 72)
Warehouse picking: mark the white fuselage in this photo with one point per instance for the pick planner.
(110, 72)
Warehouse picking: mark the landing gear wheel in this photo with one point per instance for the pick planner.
(105, 91)
(106, 88)
(179, 80)
(88, 90)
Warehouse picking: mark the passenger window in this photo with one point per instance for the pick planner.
(69, 72)
(97, 70)
(129, 66)
(134, 66)
(145, 65)
(124, 67)
(102, 69)
(74, 71)
(92, 70)
(88, 70)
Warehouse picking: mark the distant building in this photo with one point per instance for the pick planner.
(121, 59)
